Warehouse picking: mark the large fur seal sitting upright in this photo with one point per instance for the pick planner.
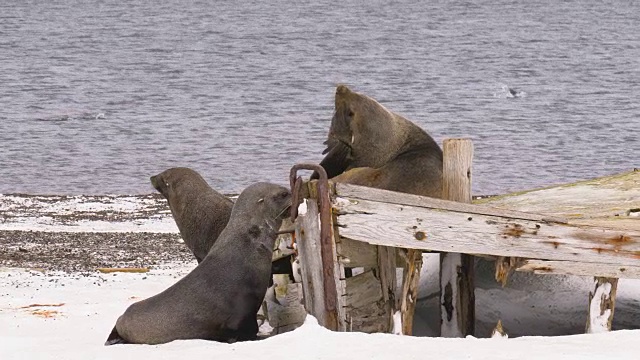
(200, 212)
(219, 299)
(371, 146)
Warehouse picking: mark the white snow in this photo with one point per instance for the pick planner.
(498, 335)
(43, 223)
(302, 208)
(85, 214)
(397, 323)
(87, 308)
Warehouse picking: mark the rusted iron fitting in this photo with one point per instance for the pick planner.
(296, 185)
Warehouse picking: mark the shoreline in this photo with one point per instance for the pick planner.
(86, 252)
(84, 233)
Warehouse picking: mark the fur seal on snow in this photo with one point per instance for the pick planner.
(371, 146)
(220, 298)
(200, 212)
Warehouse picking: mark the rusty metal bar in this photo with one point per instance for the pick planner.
(330, 291)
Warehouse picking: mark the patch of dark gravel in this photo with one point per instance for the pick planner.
(85, 252)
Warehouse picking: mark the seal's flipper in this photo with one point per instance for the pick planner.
(114, 338)
(337, 160)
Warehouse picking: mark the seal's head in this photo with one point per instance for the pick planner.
(269, 200)
(362, 124)
(168, 180)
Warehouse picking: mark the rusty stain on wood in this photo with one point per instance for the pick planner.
(515, 230)
(555, 244)
(543, 269)
(618, 240)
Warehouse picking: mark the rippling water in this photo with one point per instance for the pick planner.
(96, 96)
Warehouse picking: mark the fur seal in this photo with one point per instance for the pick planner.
(200, 212)
(220, 298)
(371, 146)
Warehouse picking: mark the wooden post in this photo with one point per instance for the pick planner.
(456, 270)
(387, 275)
(602, 303)
(410, 282)
(308, 235)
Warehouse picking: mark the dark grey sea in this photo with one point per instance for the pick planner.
(97, 95)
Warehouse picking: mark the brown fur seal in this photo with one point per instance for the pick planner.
(371, 146)
(200, 212)
(220, 298)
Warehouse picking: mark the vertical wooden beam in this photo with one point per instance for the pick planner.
(602, 303)
(387, 275)
(308, 243)
(338, 273)
(456, 270)
(410, 282)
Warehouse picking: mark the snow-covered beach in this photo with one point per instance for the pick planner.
(55, 305)
(66, 316)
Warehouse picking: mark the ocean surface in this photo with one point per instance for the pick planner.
(96, 96)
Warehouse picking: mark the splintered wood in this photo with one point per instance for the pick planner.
(409, 294)
(602, 303)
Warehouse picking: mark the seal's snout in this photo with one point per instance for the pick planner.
(286, 211)
(155, 183)
(342, 90)
(286, 202)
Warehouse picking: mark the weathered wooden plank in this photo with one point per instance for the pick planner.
(456, 270)
(610, 201)
(290, 313)
(579, 268)
(362, 289)
(357, 254)
(356, 192)
(308, 235)
(602, 303)
(365, 304)
(428, 229)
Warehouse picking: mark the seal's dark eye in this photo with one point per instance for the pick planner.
(350, 113)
